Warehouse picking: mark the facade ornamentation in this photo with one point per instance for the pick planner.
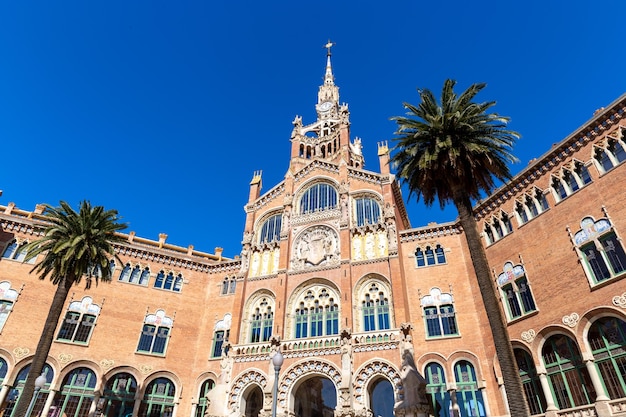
(65, 358)
(571, 320)
(20, 352)
(145, 369)
(251, 377)
(620, 300)
(107, 363)
(528, 336)
(306, 368)
(316, 246)
(370, 371)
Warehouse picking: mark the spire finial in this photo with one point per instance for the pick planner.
(329, 45)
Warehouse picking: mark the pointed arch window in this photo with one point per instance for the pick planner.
(607, 338)
(270, 230)
(530, 206)
(367, 211)
(318, 197)
(439, 314)
(14, 394)
(375, 308)
(530, 381)
(567, 374)
(515, 291)
(262, 320)
(600, 250)
(155, 334)
(317, 313)
(79, 322)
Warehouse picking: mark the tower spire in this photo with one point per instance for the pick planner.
(328, 76)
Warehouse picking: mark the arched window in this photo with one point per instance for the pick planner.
(8, 296)
(436, 387)
(318, 197)
(317, 313)
(159, 398)
(155, 333)
(253, 402)
(145, 276)
(314, 397)
(568, 377)
(135, 274)
(203, 404)
(531, 205)
(515, 292)
(119, 395)
(125, 274)
(375, 308)
(367, 211)
(79, 321)
(572, 178)
(468, 397)
(262, 320)
(607, 338)
(270, 231)
(600, 250)
(381, 398)
(221, 336)
(16, 251)
(170, 282)
(428, 256)
(439, 314)
(530, 381)
(77, 393)
(14, 394)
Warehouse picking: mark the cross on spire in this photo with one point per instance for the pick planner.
(329, 45)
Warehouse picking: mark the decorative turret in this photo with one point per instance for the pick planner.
(329, 137)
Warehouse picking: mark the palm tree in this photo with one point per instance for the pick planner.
(452, 151)
(74, 245)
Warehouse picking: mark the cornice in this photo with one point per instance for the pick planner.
(558, 154)
(429, 232)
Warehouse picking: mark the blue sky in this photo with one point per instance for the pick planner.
(163, 110)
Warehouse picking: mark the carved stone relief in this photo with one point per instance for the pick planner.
(316, 246)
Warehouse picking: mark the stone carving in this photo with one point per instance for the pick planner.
(406, 340)
(528, 336)
(346, 355)
(295, 372)
(412, 397)
(145, 369)
(571, 320)
(620, 300)
(392, 235)
(371, 371)
(107, 363)
(316, 246)
(250, 377)
(65, 358)
(20, 352)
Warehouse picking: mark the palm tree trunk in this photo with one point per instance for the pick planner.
(43, 347)
(510, 373)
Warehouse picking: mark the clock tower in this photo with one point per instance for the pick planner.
(328, 138)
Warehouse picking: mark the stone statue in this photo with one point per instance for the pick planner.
(412, 398)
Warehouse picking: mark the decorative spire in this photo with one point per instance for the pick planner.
(328, 77)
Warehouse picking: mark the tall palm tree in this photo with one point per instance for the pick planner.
(74, 245)
(452, 151)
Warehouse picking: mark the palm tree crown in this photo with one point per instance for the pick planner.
(455, 145)
(73, 245)
(453, 151)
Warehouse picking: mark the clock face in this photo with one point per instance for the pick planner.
(325, 106)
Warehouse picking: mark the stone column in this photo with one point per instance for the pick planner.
(48, 403)
(545, 387)
(3, 393)
(456, 412)
(595, 379)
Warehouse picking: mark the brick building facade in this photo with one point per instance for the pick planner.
(333, 274)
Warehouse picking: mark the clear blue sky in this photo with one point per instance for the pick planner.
(163, 110)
